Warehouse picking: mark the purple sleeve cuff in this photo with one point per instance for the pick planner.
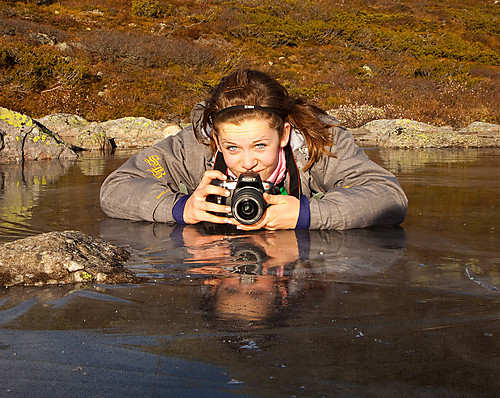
(178, 210)
(304, 220)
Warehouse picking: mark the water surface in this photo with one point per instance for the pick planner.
(402, 311)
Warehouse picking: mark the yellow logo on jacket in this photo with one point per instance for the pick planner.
(156, 168)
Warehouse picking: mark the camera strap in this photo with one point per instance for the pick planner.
(291, 167)
(293, 172)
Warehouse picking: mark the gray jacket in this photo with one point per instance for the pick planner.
(345, 191)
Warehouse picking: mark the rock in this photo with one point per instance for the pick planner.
(137, 132)
(68, 127)
(43, 38)
(63, 47)
(364, 137)
(405, 133)
(486, 129)
(93, 138)
(368, 71)
(77, 131)
(388, 126)
(171, 129)
(22, 138)
(62, 258)
(128, 132)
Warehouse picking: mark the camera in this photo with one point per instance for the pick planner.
(246, 200)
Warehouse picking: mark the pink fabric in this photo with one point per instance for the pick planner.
(280, 170)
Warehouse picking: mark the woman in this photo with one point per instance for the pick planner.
(251, 124)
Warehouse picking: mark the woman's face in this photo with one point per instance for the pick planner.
(251, 146)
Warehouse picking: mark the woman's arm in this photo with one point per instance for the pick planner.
(148, 185)
(357, 192)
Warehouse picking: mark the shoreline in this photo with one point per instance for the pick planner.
(62, 135)
(139, 132)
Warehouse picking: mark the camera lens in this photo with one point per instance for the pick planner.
(247, 209)
(248, 205)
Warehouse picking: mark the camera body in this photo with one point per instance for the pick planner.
(246, 199)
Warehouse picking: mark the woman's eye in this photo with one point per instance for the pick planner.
(260, 146)
(232, 148)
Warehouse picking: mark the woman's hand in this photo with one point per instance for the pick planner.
(197, 208)
(282, 213)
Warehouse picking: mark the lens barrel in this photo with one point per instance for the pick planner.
(248, 205)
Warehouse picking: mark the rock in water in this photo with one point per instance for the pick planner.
(62, 257)
(68, 127)
(127, 132)
(22, 138)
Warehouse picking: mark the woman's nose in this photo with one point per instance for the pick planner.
(248, 161)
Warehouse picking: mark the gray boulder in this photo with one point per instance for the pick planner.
(385, 127)
(22, 138)
(93, 138)
(62, 258)
(485, 129)
(136, 132)
(67, 126)
(77, 131)
(364, 137)
(405, 133)
(127, 132)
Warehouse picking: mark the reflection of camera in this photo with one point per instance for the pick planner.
(246, 200)
(248, 260)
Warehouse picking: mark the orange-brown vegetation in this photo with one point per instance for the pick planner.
(436, 62)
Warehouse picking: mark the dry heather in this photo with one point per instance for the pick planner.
(436, 62)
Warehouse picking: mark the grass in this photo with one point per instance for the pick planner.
(435, 62)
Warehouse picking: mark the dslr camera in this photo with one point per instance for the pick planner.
(246, 199)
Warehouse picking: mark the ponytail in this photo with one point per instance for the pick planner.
(306, 118)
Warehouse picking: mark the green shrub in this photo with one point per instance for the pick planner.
(41, 2)
(38, 69)
(146, 8)
(7, 58)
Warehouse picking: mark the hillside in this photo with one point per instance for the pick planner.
(435, 62)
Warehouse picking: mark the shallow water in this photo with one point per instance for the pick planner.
(409, 311)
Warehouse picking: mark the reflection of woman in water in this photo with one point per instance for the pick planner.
(251, 124)
(283, 270)
(250, 283)
(255, 280)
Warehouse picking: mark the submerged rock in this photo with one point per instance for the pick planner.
(22, 138)
(62, 258)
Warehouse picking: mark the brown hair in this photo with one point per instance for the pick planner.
(251, 87)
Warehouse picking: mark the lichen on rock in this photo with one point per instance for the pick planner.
(127, 132)
(62, 258)
(67, 126)
(406, 133)
(22, 138)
